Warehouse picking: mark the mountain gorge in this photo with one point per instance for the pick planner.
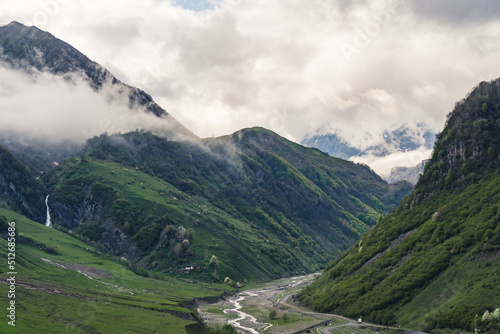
(146, 220)
(410, 174)
(433, 262)
(260, 205)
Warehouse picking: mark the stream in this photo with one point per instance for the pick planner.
(266, 296)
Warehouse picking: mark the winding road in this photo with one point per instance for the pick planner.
(328, 329)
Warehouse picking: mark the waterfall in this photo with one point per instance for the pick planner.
(48, 222)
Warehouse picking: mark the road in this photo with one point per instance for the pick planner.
(328, 329)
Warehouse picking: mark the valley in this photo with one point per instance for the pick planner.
(156, 230)
(250, 311)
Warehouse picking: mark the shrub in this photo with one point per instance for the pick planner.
(273, 314)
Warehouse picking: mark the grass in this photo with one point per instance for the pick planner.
(214, 310)
(44, 313)
(215, 229)
(50, 299)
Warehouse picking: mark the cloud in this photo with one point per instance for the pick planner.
(382, 166)
(457, 12)
(42, 106)
(295, 66)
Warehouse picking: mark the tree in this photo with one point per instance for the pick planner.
(272, 314)
(4, 226)
(126, 227)
(214, 263)
(484, 107)
(170, 231)
(181, 232)
(226, 329)
(487, 316)
(190, 233)
(177, 249)
(496, 314)
(165, 219)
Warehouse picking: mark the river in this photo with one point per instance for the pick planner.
(242, 316)
(260, 301)
(248, 311)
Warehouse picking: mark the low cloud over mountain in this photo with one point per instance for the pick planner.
(293, 66)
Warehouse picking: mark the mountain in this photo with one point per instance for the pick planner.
(33, 51)
(333, 145)
(29, 48)
(260, 204)
(404, 139)
(410, 174)
(433, 262)
(263, 206)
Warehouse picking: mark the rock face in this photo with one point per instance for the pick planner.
(410, 174)
(432, 262)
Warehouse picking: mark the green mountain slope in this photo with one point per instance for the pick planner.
(264, 206)
(20, 188)
(433, 263)
(64, 285)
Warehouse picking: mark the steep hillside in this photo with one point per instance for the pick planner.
(20, 188)
(64, 285)
(262, 205)
(433, 263)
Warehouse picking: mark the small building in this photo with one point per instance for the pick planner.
(187, 270)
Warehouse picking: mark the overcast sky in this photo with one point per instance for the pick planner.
(294, 66)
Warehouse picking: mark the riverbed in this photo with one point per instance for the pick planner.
(249, 312)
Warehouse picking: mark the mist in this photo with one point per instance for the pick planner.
(299, 68)
(40, 106)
